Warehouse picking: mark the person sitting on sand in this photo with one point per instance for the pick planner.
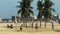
(36, 26)
(21, 27)
(8, 25)
(11, 26)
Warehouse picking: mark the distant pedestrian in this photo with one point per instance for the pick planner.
(59, 21)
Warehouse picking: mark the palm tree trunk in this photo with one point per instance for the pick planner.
(45, 23)
(32, 24)
(26, 24)
(40, 23)
(52, 26)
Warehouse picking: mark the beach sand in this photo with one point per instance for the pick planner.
(30, 30)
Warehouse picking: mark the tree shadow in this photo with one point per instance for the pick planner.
(57, 30)
(18, 30)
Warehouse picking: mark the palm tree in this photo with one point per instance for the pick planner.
(25, 9)
(40, 7)
(47, 10)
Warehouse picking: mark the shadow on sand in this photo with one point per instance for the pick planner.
(57, 30)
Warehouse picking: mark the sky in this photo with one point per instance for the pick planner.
(8, 7)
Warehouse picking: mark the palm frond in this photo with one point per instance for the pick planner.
(19, 11)
(52, 9)
(31, 12)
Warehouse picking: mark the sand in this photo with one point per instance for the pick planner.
(29, 30)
